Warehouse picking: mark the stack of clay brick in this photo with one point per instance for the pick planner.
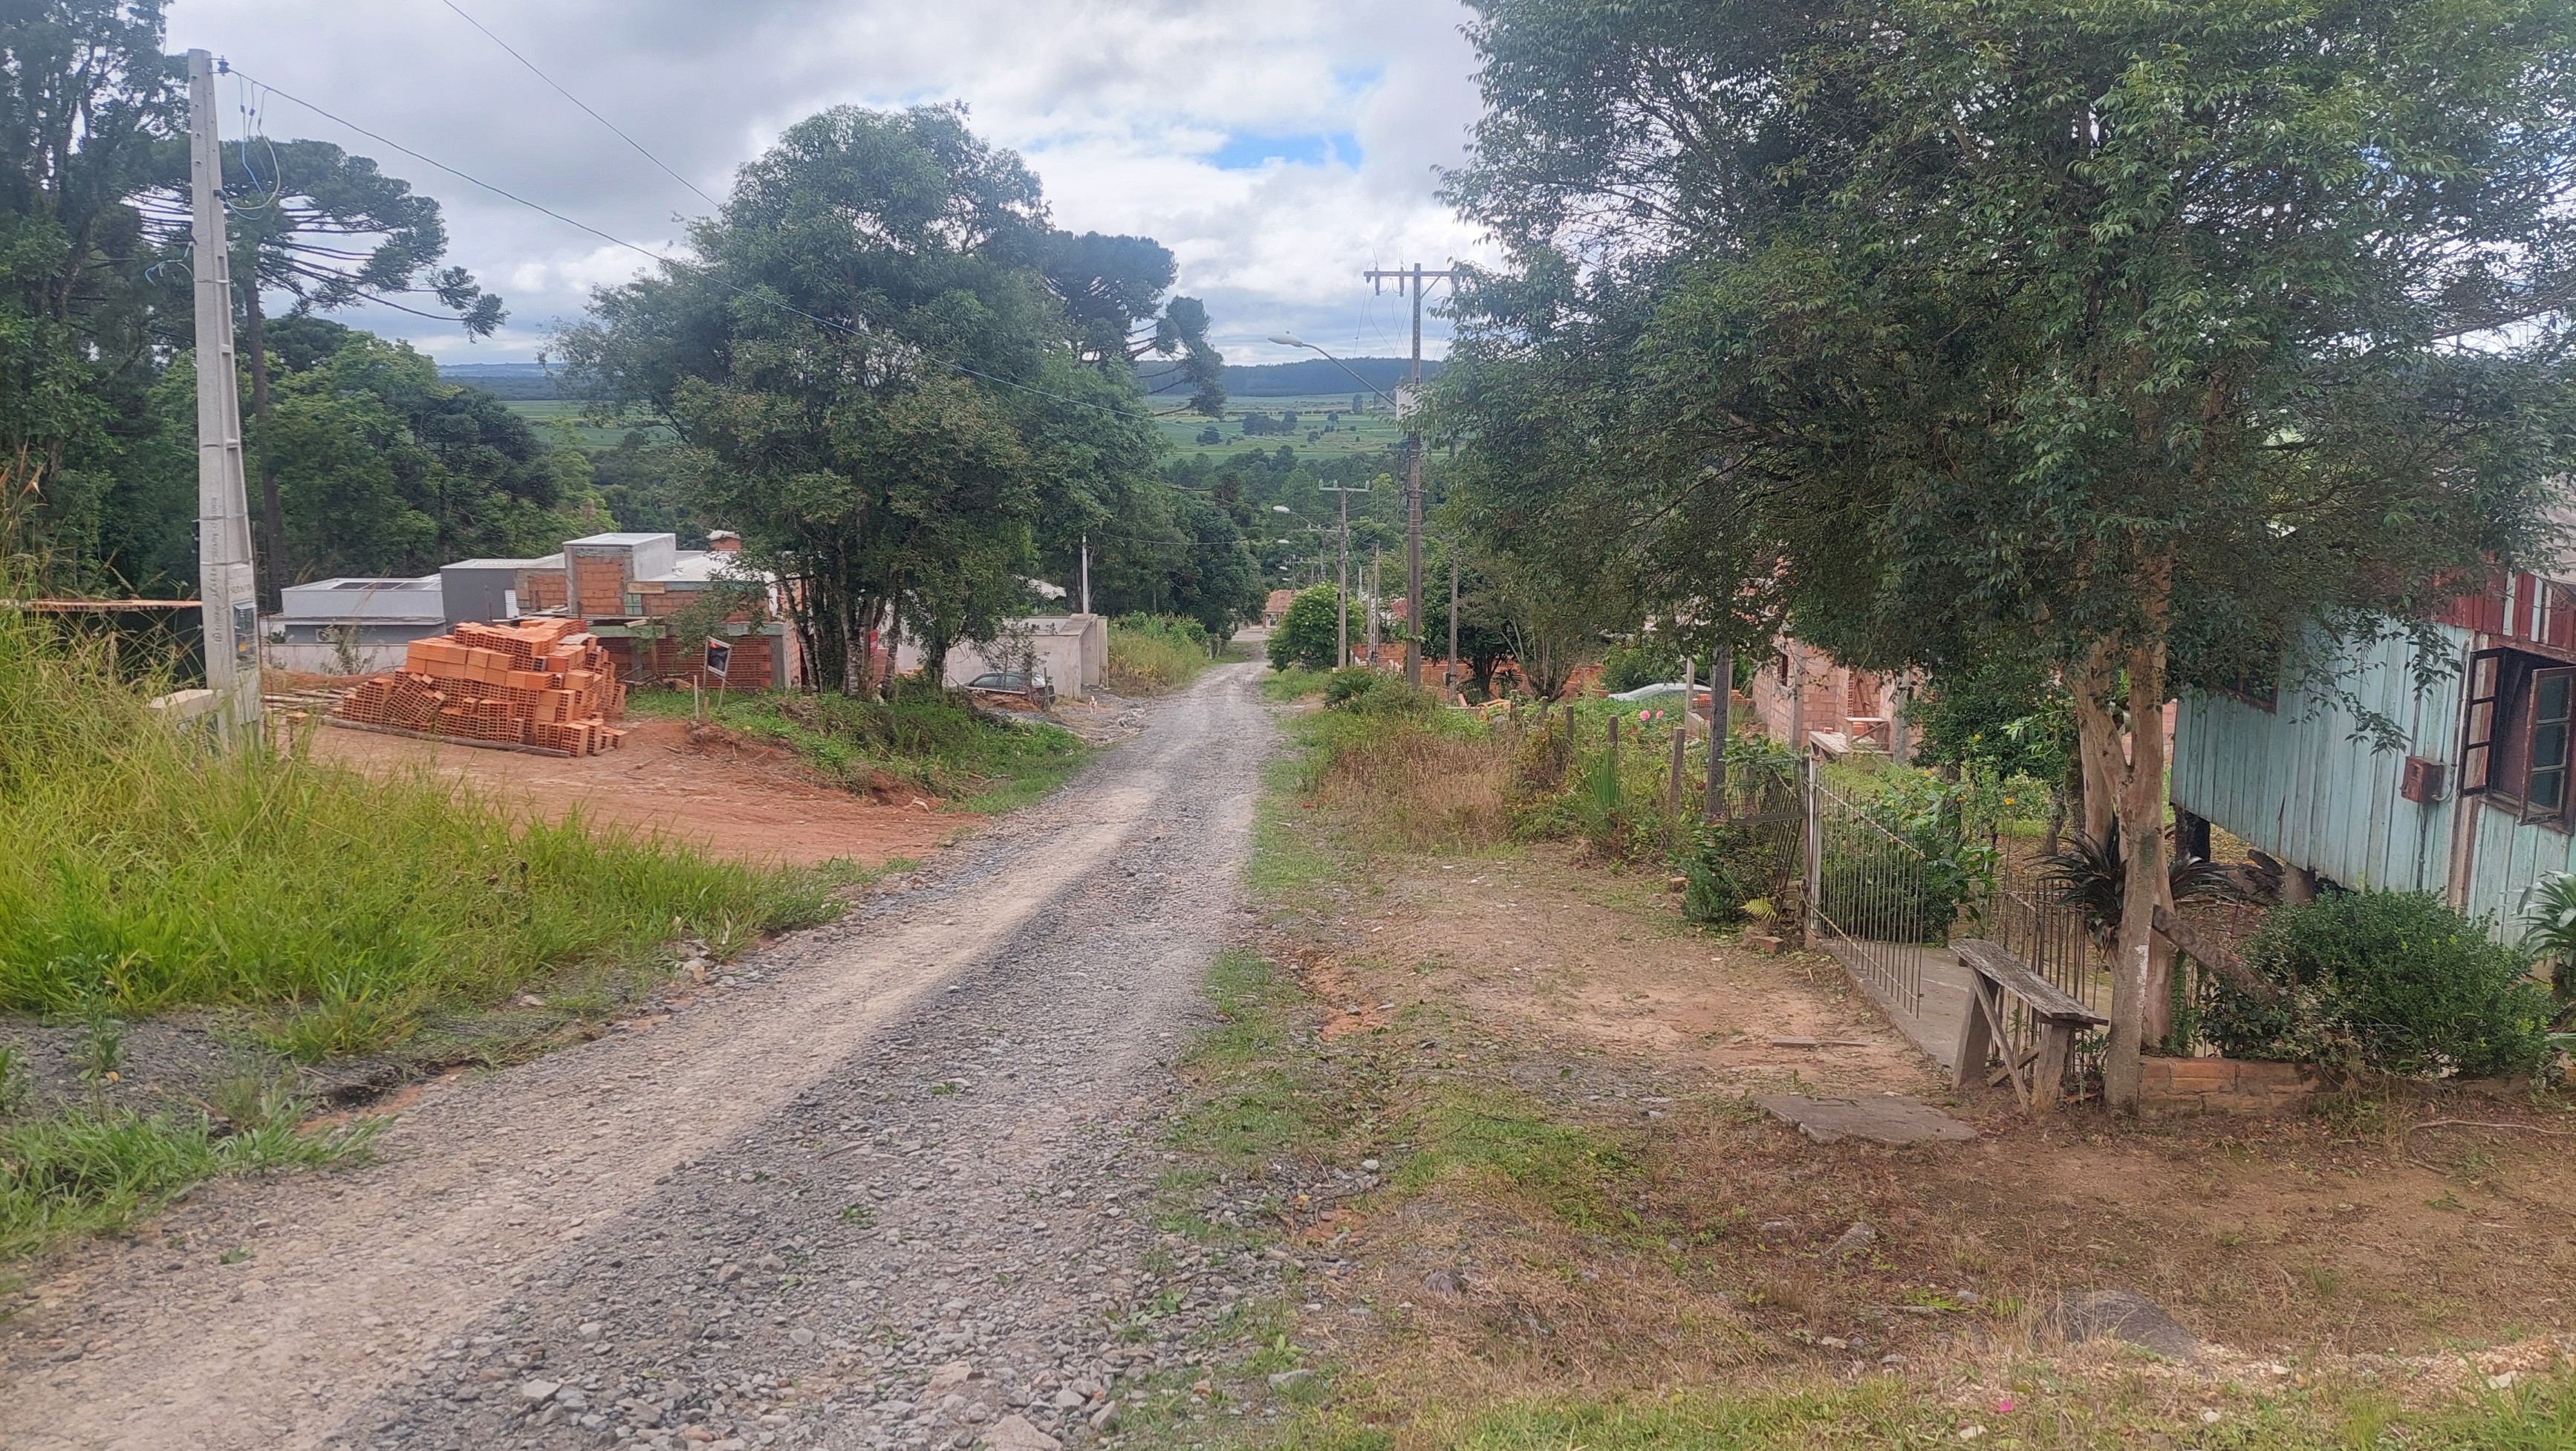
(540, 683)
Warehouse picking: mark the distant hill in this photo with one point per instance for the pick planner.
(1313, 378)
(1317, 377)
(503, 380)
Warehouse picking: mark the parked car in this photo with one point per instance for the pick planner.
(1034, 689)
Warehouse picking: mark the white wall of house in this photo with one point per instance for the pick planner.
(1071, 651)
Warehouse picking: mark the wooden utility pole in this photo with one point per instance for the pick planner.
(1681, 741)
(1721, 682)
(1449, 680)
(1416, 276)
(227, 582)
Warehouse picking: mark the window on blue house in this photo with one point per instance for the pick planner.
(2518, 738)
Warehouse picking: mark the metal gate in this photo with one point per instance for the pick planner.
(1873, 900)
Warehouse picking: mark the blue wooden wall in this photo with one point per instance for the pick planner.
(2302, 783)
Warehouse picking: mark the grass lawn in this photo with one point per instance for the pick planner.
(310, 911)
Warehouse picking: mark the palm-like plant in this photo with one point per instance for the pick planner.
(2089, 876)
(2549, 906)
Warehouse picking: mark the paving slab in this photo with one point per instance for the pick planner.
(2123, 1315)
(1887, 1119)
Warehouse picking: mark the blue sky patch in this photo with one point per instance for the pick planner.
(1315, 148)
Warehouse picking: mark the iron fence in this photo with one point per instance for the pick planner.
(2025, 917)
(1874, 900)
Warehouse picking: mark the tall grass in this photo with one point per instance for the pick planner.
(146, 871)
(1152, 654)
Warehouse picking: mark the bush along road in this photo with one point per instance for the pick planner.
(892, 1184)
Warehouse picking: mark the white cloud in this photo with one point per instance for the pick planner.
(1125, 110)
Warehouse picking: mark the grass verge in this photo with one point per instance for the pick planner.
(148, 871)
(1297, 682)
(97, 1172)
(1579, 1301)
(924, 740)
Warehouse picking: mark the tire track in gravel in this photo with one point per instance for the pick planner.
(912, 1140)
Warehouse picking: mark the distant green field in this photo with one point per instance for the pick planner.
(559, 420)
(1364, 433)
(1325, 426)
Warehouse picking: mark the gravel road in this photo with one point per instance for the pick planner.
(882, 1188)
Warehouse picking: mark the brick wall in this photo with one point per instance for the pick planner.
(540, 590)
(2171, 1086)
(599, 588)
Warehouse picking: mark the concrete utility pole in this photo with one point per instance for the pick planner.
(1412, 471)
(226, 584)
(1342, 587)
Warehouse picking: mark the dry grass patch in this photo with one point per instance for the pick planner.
(1411, 787)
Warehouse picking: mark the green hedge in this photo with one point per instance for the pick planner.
(2393, 982)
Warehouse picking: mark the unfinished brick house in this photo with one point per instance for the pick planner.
(626, 587)
(1802, 697)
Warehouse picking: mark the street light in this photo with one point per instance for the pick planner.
(1291, 340)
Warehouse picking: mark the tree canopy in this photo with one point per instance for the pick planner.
(884, 386)
(2128, 337)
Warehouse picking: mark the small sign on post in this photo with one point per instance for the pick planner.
(719, 656)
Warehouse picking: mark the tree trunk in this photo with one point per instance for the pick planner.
(2097, 742)
(2140, 782)
(272, 515)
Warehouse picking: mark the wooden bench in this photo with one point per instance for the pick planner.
(2034, 1063)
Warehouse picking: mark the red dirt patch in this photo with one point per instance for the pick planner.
(730, 799)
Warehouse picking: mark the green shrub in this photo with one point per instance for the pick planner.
(2393, 982)
(1869, 896)
(1642, 661)
(1375, 692)
(1727, 864)
(1306, 636)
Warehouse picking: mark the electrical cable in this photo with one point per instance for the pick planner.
(647, 252)
(578, 101)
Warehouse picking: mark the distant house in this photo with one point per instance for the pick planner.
(1802, 697)
(625, 586)
(1275, 609)
(2472, 802)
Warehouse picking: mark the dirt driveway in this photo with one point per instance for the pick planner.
(740, 800)
(905, 1150)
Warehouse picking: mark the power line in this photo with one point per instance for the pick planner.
(709, 272)
(578, 101)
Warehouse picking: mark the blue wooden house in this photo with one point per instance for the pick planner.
(2475, 803)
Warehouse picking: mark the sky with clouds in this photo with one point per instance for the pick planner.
(1278, 149)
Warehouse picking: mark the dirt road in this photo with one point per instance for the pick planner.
(737, 800)
(911, 1147)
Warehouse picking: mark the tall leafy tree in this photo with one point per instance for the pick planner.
(1113, 288)
(384, 469)
(328, 230)
(884, 393)
(2135, 338)
(89, 105)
